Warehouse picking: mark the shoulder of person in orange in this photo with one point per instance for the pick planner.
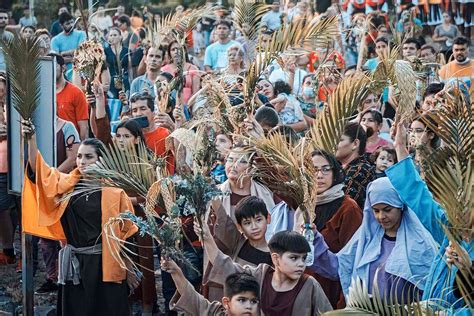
(42, 215)
(156, 141)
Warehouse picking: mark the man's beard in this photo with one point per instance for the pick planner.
(461, 59)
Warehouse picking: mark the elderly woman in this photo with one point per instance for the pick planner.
(391, 252)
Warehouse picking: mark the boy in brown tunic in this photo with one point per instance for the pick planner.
(241, 295)
(285, 289)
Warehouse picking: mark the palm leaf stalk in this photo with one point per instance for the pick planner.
(247, 17)
(128, 169)
(287, 171)
(88, 60)
(361, 302)
(450, 177)
(397, 73)
(22, 59)
(343, 103)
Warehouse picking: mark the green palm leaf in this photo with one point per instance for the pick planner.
(22, 59)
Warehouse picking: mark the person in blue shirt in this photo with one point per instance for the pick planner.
(272, 19)
(153, 61)
(441, 284)
(66, 42)
(56, 27)
(215, 57)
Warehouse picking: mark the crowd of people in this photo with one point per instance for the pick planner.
(375, 219)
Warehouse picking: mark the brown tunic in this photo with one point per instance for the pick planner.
(310, 300)
(337, 231)
(192, 303)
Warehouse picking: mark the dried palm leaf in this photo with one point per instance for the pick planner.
(22, 59)
(360, 302)
(219, 104)
(179, 24)
(130, 169)
(449, 173)
(298, 37)
(247, 17)
(287, 171)
(343, 103)
(399, 74)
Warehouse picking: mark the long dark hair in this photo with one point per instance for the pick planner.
(186, 56)
(337, 171)
(134, 128)
(99, 146)
(354, 131)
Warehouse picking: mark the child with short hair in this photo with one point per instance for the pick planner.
(249, 243)
(241, 294)
(252, 219)
(383, 158)
(285, 289)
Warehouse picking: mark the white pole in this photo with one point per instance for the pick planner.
(32, 8)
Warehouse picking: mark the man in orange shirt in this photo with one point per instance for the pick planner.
(461, 67)
(143, 104)
(71, 102)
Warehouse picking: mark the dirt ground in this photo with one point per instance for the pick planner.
(11, 292)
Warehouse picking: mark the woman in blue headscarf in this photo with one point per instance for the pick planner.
(441, 284)
(391, 249)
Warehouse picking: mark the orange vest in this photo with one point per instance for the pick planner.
(42, 212)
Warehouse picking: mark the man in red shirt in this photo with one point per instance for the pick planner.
(143, 104)
(71, 102)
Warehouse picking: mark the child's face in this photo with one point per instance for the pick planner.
(291, 264)
(254, 228)
(245, 303)
(384, 160)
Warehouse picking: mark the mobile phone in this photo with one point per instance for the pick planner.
(142, 121)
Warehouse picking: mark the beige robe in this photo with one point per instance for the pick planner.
(310, 301)
(227, 237)
(192, 303)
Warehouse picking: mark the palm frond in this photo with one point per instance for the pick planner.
(449, 173)
(449, 170)
(178, 24)
(343, 103)
(248, 16)
(287, 170)
(128, 169)
(22, 59)
(360, 302)
(397, 73)
(298, 37)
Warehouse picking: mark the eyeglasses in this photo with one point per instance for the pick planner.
(325, 170)
(238, 160)
(416, 130)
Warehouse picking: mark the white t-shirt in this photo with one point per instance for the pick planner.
(280, 74)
